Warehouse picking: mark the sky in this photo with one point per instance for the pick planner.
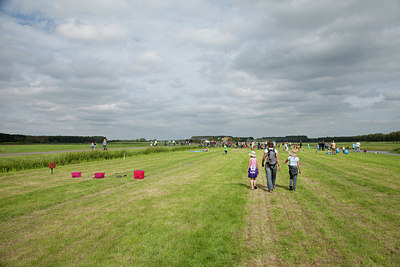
(172, 69)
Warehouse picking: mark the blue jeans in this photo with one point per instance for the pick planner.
(293, 171)
(270, 172)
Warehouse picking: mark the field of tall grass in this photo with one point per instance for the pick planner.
(18, 148)
(198, 209)
(25, 162)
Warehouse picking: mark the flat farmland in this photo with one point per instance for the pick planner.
(198, 209)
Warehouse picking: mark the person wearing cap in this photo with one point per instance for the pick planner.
(294, 168)
(252, 170)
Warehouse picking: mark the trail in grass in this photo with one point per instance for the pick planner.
(345, 211)
(198, 209)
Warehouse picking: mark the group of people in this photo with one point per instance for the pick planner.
(94, 145)
(272, 164)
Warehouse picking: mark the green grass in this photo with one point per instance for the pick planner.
(187, 210)
(197, 209)
(18, 148)
(34, 161)
(344, 211)
(373, 146)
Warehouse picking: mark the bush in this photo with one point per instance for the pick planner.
(9, 165)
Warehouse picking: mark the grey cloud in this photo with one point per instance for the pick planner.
(174, 69)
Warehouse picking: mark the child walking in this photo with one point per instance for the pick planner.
(294, 169)
(252, 170)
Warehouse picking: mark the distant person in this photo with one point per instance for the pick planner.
(358, 146)
(271, 160)
(333, 146)
(105, 144)
(92, 145)
(354, 147)
(294, 169)
(225, 150)
(252, 170)
(155, 143)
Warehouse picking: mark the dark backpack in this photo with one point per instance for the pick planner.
(271, 157)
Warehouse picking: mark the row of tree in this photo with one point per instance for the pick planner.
(29, 139)
(391, 137)
(221, 137)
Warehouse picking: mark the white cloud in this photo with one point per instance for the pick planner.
(363, 102)
(88, 31)
(129, 69)
(208, 37)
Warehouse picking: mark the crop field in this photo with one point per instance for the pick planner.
(17, 148)
(198, 209)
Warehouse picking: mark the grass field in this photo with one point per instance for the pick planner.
(18, 148)
(197, 209)
(373, 146)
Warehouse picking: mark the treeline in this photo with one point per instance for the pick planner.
(221, 137)
(391, 137)
(29, 139)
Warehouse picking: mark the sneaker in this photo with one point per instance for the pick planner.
(290, 187)
(255, 187)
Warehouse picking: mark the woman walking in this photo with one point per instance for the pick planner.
(294, 169)
(271, 160)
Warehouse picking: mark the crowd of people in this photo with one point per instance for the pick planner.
(171, 143)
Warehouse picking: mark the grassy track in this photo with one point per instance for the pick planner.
(344, 211)
(197, 209)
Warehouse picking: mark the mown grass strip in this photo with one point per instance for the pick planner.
(187, 211)
(338, 216)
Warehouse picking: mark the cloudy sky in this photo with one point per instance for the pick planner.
(127, 69)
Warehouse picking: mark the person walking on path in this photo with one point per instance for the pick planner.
(105, 144)
(271, 160)
(294, 169)
(358, 145)
(252, 170)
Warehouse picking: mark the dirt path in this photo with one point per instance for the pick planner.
(260, 237)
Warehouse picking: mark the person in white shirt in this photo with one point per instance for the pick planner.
(294, 169)
(358, 145)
